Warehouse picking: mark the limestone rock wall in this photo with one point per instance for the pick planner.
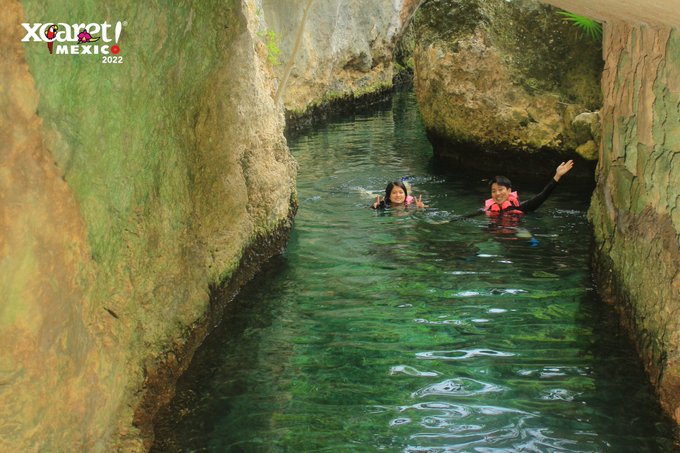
(658, 12)
(343, 50)
(635, 207)
(127, 191)
(502, 83)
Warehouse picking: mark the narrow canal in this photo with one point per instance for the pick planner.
(412, 331)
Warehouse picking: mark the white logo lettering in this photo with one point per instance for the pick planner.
(31, 29)
(69, 32)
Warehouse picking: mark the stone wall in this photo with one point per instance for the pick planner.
(127, 192)
(332, 52)
(506, 86)
(635, 208)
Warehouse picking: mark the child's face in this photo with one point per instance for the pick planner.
(499, 193)
(397, 195)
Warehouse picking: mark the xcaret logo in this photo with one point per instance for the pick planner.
(76, 39)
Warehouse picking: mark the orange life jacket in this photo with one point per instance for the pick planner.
(491, 207)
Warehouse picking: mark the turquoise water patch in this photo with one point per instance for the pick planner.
(415, 331)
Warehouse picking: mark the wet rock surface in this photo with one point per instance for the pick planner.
(500, 83)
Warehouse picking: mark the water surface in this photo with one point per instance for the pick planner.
(415, 331)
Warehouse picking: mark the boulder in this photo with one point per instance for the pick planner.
(499, 83)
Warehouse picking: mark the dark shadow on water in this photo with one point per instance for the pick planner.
(526, 183)
(628, 388)
(232, 349)
(338, 111)
(506, 160)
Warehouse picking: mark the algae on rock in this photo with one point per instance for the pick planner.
(499, 83)
(130, 191)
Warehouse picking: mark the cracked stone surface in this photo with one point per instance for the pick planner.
(635, 206)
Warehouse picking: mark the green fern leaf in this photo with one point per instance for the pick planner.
(590, 27)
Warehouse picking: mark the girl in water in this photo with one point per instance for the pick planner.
(396, 194)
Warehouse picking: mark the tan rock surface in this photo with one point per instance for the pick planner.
(127, 192)
(345, 48)
(634, 209)
(653, 13)
(505, 83)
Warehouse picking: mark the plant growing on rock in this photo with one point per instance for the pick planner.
(272, 45)
(590, 27)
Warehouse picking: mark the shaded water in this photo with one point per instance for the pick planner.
(406, 331)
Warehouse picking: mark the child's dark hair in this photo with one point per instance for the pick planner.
(390, 186)
(501, 181)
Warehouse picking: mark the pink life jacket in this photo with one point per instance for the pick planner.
(491, 207)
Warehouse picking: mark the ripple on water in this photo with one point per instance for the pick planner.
(511, 291)
(479, 428)
(557, 373)
(455, 322)
(400, 421)
(441, 409)
(453, 412)
(458, 387)
(462, 354)
(410, 371)
(487, 441)
(491, 292)
(468, 273)
(559, 395)
(467, 293)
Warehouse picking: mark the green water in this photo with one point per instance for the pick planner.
(406, 331)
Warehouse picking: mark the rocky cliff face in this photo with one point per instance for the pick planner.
(502, 83)
(635, 208)
(127, 190)
(332, 51)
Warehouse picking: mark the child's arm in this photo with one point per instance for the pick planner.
(473, 214)
(378, 203)
(470, 215)
(537, 201)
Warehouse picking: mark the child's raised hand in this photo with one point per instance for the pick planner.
(563, 169)
(419, 202)
(377, 202)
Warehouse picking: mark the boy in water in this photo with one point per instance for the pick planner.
(504, 206)
(504, 200)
